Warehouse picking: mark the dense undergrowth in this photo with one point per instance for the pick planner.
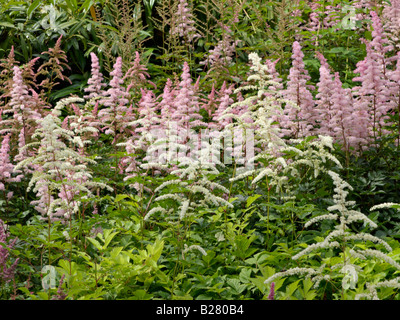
(213, 149)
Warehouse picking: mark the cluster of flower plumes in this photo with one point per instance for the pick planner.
(346, 241)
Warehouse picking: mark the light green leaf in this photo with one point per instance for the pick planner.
(251, 199)
(95, 243)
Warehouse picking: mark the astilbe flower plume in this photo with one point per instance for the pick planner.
(54, 68)
(346, 121)
(24, 116)
(183, 23)
(6, 74)
(380, 42)
(96, 84)
(186, 102)
(83, 122)
(324, 104)
(372, 95)
(116, 115)
(61, 178)
(298, 122)
(223, 100)
(391, 21)
(144, 135)
(137, 76)
(394, 76)
(343, 237)
(167, 102)
(221, 54)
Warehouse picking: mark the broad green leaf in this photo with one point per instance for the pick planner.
(35, 4)
(108, 237)
(95, 243)
(251, 199)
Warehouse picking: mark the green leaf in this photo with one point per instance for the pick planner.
(7, 24)
(251, 199)
(119, 197)
(35, 4)
(142, 295)
(65, 91)
(95, 243)
(290, 289)
(108, 236)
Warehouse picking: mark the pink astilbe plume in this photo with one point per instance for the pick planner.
(184, 24)
(147, 112)
(54, 68)
(391, 21)
(223, 100)
(6, 74)
(209, 104)
(298, 122)
(380, 43)
(167, 103)
(186, 116)
(22, 107)
(116, 115)
(96, 85)
(137, 75)
(372, 95)
(187, 103)
(222, 53)
(324, 104)
(394, 77)
(275, 77)
(146, 130)
(348, 122)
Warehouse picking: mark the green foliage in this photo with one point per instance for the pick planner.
(118, 254)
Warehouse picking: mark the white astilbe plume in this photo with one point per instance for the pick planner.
(263, 111)
(343, 238)
(193, 186)
(191, 248)
(62, 176)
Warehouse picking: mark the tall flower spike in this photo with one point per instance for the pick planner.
(114, 118)
(324, 103)
(25, 118)
(344, 117)
(137, 75)
(167, 104)
(184, 24)
(343, 238)
(224, 100)
(223, 51)
(298, 122)
(186, 102)
(391, 20)
(373, 93)
(54, 68)
(6, 74)
(95, 82)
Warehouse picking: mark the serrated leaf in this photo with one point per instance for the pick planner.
(95, 243)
